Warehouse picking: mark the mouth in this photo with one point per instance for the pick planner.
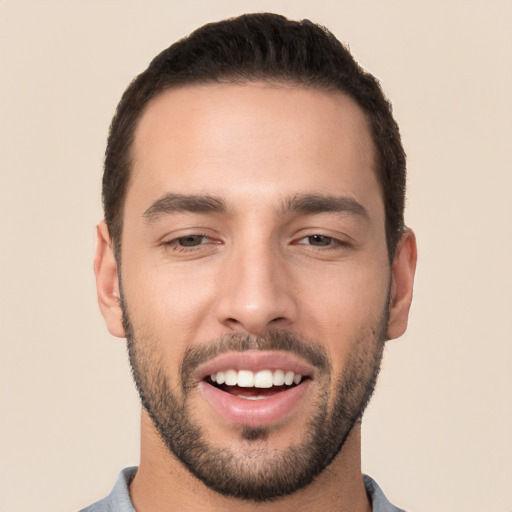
(259, 385)
(255, 389)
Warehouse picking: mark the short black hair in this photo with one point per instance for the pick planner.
(257, 47)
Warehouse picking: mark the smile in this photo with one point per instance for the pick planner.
(263, 379)
(255, 389)
(250, 385)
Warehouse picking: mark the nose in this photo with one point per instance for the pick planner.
(256, 292)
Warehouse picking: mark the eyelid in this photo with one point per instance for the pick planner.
(173, 243)
(172, 235)
(337, 239)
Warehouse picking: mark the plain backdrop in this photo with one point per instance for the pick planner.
(437, 436)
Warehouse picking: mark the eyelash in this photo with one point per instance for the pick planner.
(334, 242)
(175, 246)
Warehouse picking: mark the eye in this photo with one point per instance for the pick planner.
(190, 240)
(317, 240)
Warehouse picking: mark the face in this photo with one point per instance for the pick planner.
(256, 287)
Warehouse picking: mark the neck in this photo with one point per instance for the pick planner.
(163, 483)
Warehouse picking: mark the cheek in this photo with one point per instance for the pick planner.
(344, 306)
(356, 287)
(167, 306)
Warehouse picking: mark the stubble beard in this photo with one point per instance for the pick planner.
(255, 473)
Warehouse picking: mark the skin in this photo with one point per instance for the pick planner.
(255, 146)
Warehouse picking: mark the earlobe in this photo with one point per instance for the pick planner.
(107, 281)
(402, 280)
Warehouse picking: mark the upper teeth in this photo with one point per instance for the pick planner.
(261, 379)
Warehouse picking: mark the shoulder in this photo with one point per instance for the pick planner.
(379, 501)
(99, 506)
(119, 498)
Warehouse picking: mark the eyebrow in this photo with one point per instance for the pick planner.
(301, 204)
(176, 203)
(311, 204)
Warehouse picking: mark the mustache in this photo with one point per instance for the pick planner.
(278, 340)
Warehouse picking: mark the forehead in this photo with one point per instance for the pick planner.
(255, 140)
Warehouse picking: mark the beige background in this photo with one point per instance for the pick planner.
(437, 436)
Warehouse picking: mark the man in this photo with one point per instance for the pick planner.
(255, 257)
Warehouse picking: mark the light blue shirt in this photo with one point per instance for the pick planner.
(119, 499)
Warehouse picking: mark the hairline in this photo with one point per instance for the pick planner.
(240, 80)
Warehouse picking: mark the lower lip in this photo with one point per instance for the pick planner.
(254, 413)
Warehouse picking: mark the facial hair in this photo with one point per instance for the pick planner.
(255, 473)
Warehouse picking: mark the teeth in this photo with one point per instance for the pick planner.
(278, 378)
(245, 379)
(231, 378)
(288, 378)
(261, 379)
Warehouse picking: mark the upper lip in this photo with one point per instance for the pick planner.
(254, 360)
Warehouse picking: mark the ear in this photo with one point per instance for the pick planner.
(402, 280)
(107, 281)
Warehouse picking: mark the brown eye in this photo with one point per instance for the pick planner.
(190, 240)
(317, 240)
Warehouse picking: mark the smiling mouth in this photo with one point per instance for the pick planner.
(255, 388)
(255, 385)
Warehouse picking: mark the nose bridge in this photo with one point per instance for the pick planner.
(256, 291)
